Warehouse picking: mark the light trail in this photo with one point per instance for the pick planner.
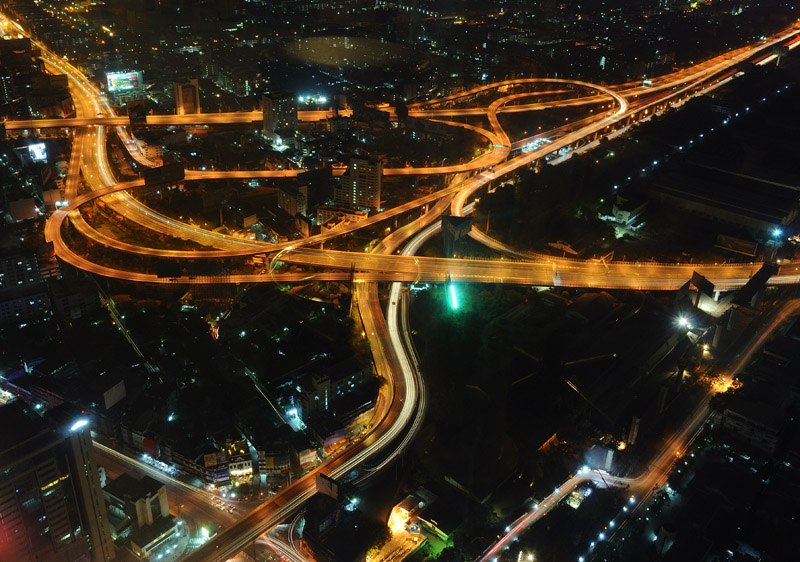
(400, 410)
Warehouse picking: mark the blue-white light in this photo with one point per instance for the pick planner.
(79, 424)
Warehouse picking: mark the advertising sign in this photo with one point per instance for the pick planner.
(214, 459)
(37, 152)
(121, 81)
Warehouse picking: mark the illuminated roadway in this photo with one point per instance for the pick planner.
(391, 267)
(154, 220)
(193, 503)
(391, 423)
(370, 267)
(206, 238)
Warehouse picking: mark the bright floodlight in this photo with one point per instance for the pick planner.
(79, 424)
(776, 232)
(683, 321)
(453, 298)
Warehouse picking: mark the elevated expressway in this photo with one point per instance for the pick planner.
(535, 270)
(228, 246)
(396, 413)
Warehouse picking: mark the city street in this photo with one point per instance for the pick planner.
(91, 178)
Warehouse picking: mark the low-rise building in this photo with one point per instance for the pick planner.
(293, 200)
(627, 211)
(754, 423)
(319, 387)
(139, 511)
(338, 123)
(152, 152)
(328, 212)
(274, 458)
(240, 462)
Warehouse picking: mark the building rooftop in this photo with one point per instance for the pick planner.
(143, 536)
(443, 516)
(758, 412)
(126, 486)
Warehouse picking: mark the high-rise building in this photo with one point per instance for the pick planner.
(361, 186)
(280, 115)
(8, 91)
(51, 504)
(23, 290)
(187, 97)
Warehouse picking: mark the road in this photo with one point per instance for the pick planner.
(631, 103)
(659, 468)
(153, 220)
(544, 272)
(224, 118)
(194, 504)
(98, 173)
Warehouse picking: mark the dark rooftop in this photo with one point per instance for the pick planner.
(143, 536)
(126, 486)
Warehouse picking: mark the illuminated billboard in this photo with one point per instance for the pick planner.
(37, 152)
(122, 81)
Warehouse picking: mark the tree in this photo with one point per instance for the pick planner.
(719, 402)
(450, 554)
(384, 536)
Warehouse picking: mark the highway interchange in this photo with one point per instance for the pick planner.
(402, 409)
